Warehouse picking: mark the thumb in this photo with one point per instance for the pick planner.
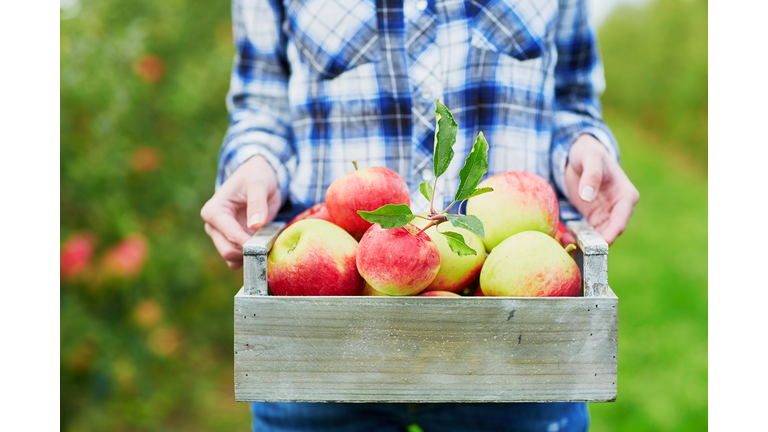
(591, 178)
(257, 208)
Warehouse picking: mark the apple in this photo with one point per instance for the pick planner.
(364, 189)
(530, 264)
(521, 201)
(439, 294)
(314, 257)
(479, 292)
(563, 236)
(317, 211)
(397, 261)
(456, 272)
(369, 291)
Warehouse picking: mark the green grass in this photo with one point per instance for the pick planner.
(658, 269)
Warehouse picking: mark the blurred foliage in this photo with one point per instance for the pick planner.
(146, 312)
(658, 269)
(146, 302)
(655, 60)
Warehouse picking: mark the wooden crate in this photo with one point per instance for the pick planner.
(427, 349)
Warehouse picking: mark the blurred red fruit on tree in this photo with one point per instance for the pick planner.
(76, 255)
(126, 258)
(150, 68)
(145, 159)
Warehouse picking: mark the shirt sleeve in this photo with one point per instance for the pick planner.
(579, 82)
(257, 101)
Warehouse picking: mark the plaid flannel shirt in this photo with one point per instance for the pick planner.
(318, 83)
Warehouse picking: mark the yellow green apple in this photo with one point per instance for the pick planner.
(521, 201)
(456, 272)
(530, 264)
(439, 294)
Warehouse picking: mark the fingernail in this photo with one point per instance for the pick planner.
(588, 193)
(255, 219)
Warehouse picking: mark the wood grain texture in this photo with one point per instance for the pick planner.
(595, 275)
(422, 349)
(255, 253)
(261, 241)
(592, 258)
(588, 240)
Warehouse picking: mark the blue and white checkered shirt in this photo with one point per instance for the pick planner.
(319, 83)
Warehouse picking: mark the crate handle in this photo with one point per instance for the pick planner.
(255, 253)
(593, 252)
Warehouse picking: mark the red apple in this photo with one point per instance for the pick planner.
(563, 236)
(364, 189)
(530, 264)
(439, 294)
(456, 272)
(314, 258)
(521, 201)
(479, 292)
(317, 211)
(369, 291)
(397, 261)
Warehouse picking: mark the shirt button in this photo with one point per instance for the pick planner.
(421, 5)
(427, 174)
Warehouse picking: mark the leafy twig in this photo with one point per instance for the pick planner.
(475, 166)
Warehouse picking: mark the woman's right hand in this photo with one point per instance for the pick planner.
(248, 200)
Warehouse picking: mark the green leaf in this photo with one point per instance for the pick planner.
(475, 166)
(389, 216)
(445, 136)
(457, 244)
(426, 190)
(480, 192)
(469, 222)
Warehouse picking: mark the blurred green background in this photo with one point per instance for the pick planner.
(146, 302)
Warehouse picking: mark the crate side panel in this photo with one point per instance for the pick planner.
(425, 349)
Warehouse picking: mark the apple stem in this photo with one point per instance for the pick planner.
(570, 247)
(429, 225)
(354, 162)
(434, 220)
(438, 218)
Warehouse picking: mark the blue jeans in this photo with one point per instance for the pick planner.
(431, 417)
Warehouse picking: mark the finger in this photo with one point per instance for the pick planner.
(591, 178)
(231, 254)
(222, 219)
(618, 219)
(257, 210)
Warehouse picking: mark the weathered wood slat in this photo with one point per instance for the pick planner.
(593, 252)
(262, 240)
(415, 349)
(587, 238)
(255, 253)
